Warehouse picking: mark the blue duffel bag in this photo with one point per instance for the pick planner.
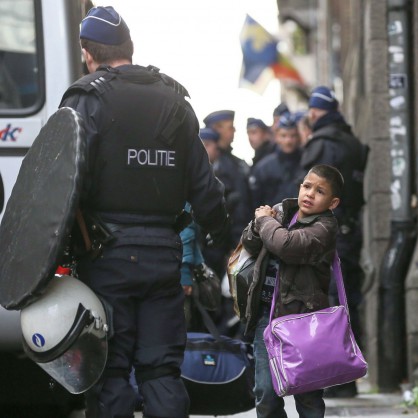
(218, 372)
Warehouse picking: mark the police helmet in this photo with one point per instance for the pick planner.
(65, 332)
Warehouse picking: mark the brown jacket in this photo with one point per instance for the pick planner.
(305, 252)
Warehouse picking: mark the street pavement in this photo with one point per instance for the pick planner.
(366, 404)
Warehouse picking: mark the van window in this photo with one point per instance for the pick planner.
(20, 86)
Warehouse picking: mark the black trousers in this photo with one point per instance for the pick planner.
(139, 276)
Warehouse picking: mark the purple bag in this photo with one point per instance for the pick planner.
(313, 350)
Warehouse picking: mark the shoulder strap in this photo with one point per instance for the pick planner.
(97, 82)
(207, 320)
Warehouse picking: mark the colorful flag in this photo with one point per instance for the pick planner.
(261, 59)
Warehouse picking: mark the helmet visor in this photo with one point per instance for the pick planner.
(78, 361)
(81, 366)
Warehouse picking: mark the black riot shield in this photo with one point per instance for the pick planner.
(41, 210)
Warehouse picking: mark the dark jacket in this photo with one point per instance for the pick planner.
(158, 96)
(305, 252)
(334, 143)
(233, 173)
(266, 148)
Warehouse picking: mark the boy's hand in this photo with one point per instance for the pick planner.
(264, 211)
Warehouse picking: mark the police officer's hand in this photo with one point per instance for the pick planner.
(220, 236)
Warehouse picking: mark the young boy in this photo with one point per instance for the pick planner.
(301, 256)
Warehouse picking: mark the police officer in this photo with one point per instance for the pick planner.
(210, 140)
(233, 173)
(145, 161)
(332, 142)
(260, 138)
(274, 177)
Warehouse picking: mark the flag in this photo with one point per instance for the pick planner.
(261, 59)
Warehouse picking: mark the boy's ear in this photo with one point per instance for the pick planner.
(334, 203)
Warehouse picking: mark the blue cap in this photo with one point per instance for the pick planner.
(258, 123)
(105, 26)
(323, 98)
(219, 116)
(208, 134)
(281, 109)
(287, 121)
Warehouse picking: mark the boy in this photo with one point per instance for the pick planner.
(301, 256)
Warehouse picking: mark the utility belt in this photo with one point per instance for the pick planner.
(97, 233)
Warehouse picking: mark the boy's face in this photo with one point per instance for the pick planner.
(315, 196)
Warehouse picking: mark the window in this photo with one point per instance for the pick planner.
(20, 80)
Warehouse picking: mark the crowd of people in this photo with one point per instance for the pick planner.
(145, 272)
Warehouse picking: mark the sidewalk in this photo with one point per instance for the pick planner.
(365, 405)
(368, 404)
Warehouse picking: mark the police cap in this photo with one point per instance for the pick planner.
(105, 26)
(257, 123)
(208, 134)
(218, 116)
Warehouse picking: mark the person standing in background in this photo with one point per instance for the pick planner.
(210, 140)
(260, 139)
(233, 172)
(274, 177)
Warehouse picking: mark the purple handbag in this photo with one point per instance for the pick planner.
(314, 350)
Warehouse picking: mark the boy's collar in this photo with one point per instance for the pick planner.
(291, 205)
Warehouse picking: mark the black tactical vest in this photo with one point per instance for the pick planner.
(139, 165)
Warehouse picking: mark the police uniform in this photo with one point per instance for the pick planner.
(274, 178)
(233, 173)
(145, 161)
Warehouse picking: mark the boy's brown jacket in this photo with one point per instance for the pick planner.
(305, 250)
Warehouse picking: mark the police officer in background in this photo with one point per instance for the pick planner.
(260, 138)
(145, 161)
(233, 173)
(332, 142)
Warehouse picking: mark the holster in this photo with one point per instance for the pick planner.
(94, 234)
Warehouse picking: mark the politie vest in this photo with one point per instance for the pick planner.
(139, 163)
(352, 160)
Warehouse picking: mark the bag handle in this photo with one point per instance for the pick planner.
(337, 273)
(207, 320)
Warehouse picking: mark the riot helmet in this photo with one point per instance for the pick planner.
(65, 332)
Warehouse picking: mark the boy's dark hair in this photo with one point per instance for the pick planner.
(333, 177)
(103, 54)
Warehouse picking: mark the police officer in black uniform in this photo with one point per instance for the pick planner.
(332, 142)
(233, 173)
(145, 161)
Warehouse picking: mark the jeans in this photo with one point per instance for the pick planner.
(268, 403)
